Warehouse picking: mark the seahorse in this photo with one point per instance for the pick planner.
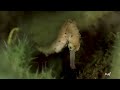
(73, 41)
(60, 42)
(68, 36)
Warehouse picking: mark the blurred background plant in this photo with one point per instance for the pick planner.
(15, 61)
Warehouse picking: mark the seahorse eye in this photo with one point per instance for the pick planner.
(70, 46)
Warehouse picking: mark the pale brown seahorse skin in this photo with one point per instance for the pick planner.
(62, 38)
(69, 34)
(73, 41)
(73, 36)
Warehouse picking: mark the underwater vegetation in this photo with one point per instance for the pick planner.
(115, 67)
(15, 61)
(29, 52)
